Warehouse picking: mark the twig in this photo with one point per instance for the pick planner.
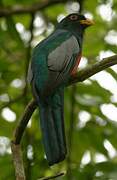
(14, 57)
(11, 101)
(28, 52)
(81, 2)
(52, 177)
(19, 9)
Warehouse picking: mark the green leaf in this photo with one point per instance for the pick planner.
(12, 30)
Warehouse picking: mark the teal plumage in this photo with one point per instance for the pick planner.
(53, 61)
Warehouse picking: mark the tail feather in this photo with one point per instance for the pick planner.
(52, 125)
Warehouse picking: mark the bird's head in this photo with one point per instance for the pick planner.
(75, 22)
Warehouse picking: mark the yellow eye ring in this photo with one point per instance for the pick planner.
(73, 17)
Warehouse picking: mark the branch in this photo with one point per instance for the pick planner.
(28, 52)
(53, 177)
(18, 9)
(11, 101)
(93, 69)
(24, 121)
(18, 162)
(15, 143)
(81, 76)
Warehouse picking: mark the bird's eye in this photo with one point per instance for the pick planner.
(73, 17)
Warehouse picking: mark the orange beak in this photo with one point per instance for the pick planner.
(87, 22)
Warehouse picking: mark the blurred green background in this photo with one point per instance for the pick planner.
(90, 107)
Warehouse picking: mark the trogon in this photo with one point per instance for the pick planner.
(54, 61)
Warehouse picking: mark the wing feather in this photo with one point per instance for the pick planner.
(60, 57)
(60, 62)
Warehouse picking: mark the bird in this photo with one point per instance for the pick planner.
(54, 61)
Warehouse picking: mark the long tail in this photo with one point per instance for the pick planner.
(52, 125)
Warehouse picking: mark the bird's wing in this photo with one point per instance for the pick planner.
(60, 62)
(61, 56)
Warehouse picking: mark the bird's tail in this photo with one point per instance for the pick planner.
(52, 125)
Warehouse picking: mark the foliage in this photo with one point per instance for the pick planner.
(17, 38)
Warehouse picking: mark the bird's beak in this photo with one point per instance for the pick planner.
(87, 22)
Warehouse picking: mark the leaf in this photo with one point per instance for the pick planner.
(90, 5)
(95, 136)
(12, 30)
(54, 11)
(7, 171)
(94, 89)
